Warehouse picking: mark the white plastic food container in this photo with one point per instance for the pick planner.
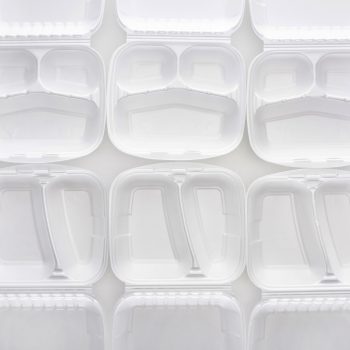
(52, 88)
(177, 241)
(299, 255)
(52, 249)
(299, 92)
(177, 87)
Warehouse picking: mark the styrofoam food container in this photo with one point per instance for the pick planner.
(177, 241)
(52, 90)
(299, 256)
(299, 96)
(177, 87)
(52, 250)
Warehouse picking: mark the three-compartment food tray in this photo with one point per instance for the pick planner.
(177, 241)
(299, 92)
(53, 248)
(177, 87)
(52, 90)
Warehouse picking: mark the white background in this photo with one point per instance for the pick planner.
(107, 162)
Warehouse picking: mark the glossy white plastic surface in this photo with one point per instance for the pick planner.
(311, 323)
(49, 18)
(52, 227)
(298, 254)
(52, 89)
(298, 226)
(306, 20)
(51, 103)
(177, 101)
(298, 111)
(299, 92)
(176, 224)
(50, 322)
(182, 16)
(178, 321)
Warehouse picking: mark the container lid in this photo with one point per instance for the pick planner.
(49, 18)
(177, 224)
(181, 16)
(52, 227)
(195, 321)
(298, 231)
(50, 321)
(301, 19)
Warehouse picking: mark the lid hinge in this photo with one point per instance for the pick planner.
(176, 288)
(305, 45)
(306, 294)
(178, 38)
(46, 290)
(46, 42)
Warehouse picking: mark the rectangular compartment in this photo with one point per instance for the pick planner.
(179, 99)
(178, 321)
(52, 92)
(298, 244)
(299, 92)
(177, 224)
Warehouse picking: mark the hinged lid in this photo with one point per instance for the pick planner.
(177, 224)
(301, 20)
(196, 321)
(298, 231)
(50, 321)
(200, 17)
(30, 19)
(52, 227)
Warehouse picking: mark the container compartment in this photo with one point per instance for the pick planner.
(283, 242)
(175, 124)
(213, 214)
(18, 69)
(44, 322)
(303, 324)
(333, 75)
(177, 322)
(283, 76)
(213, 69)
(333, 208)
(298, 111)
(297, 229)
(40, 126)
(49, 17)
(52, 227)
(307, 130)
(175, 226)
(52, 103)
(175, 101)
(148, 236)
(71, 72)
(146, 67)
